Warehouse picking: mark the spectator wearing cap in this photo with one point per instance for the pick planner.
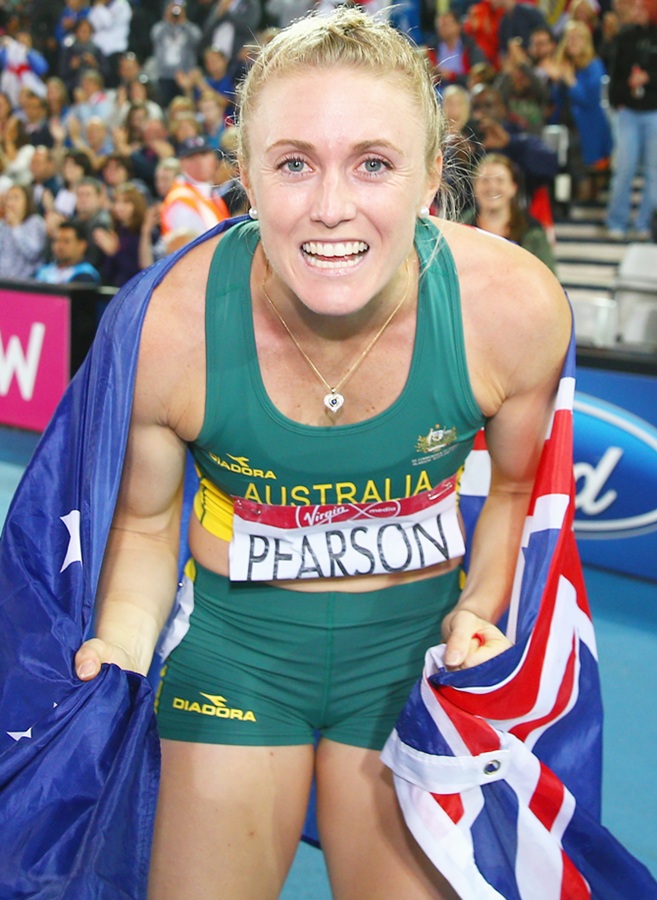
(192, 203)
(175, 42)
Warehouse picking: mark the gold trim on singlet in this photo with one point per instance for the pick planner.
(214, 510)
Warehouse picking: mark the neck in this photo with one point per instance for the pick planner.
(339, 328)
(496, 220)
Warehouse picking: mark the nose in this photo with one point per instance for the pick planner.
(333, 200)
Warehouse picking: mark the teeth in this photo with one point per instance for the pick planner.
(343, 263)
(349, 248)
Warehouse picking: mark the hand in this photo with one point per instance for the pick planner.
(57, 130)
(93, 653)
(516, 55)
(162, 148)
(151, 218)
(568, 73)
(47, 201)
(471, 640)
(183, 80)
(53, 221)
(495, 135)
(638, 78)
(74, 128)
(107, 241)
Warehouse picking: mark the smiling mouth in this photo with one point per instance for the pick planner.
(335, 255)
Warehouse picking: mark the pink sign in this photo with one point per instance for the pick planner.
(34, 356)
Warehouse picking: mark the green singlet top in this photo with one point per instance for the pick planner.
(248, 449)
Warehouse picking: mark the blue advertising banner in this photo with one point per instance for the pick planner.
(616, 470)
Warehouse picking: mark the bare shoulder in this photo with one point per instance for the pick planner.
(170, 387)
(516, 316)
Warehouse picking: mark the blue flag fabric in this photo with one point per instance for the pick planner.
(79, 762)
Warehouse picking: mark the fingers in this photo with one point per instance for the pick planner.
(88, 660)
(472, 640)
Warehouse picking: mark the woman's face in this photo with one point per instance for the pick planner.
(337, 173)
(15, 203)
(576, 42)
(71, 171)
(136, 118)
(137, 92)
(53, 94)
(494, 187)
(124, 210)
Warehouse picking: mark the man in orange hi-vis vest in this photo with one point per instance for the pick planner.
(190, 206)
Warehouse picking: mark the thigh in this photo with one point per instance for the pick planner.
(228, 821)
(369, 851)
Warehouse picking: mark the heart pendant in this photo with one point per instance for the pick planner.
(333, 401)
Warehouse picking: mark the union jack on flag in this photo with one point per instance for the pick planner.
(498, 768)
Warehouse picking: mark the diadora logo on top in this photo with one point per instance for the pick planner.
(615, 471)
(241, 465)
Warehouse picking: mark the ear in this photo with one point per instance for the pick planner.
(243, 173)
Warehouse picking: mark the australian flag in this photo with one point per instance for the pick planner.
(79, 762)
(498, 768)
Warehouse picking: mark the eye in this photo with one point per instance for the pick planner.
(374, 165)
(294, 165)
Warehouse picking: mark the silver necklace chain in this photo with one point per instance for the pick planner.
(334, 400)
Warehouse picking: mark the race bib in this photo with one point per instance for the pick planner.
(273, 543)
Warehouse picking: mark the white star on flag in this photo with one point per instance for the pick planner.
(17, 735)
(74, 550)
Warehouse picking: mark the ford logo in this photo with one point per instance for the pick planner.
(615, 471)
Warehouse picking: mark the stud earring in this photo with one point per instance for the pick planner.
(253, 213)
(425, 211)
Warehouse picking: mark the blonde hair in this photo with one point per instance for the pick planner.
(588, 52)
(347, 37)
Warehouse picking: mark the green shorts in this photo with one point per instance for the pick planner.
(264, 666)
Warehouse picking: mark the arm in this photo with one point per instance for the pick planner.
(516, 390)
(587, 86)
(140, 569)
(30, 236)
(38, 62)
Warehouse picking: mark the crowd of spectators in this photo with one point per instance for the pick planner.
(117, 132)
